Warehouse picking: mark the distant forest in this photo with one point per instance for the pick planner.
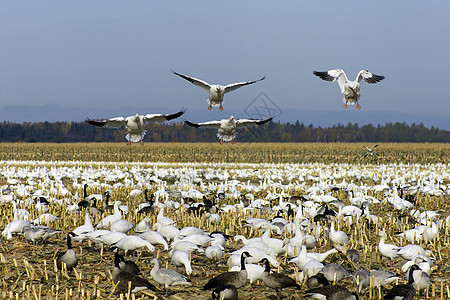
(70, 132)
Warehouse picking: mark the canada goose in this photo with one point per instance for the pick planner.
(122, 279)
(317, 281)
(93, 208)
(225, 292)
(418, 278)
(332, 292)
(106, 206)
(216, 91)
(401, 291)
(275, 280)
(167, 277)
(84, 203)
(127, 265)
(147, 207)
(236, 278)
(69, 257)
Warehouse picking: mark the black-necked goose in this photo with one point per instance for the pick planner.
(69, 257)
(127, 265)
(227, 127)
(122, 279)
(275, 280)
(350, 89)
(134, 124)
(236, 278)
(216, 91)
(225, 292)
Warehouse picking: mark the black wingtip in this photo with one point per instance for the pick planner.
(191, 124)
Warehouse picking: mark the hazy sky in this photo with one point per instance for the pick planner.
(104, 55)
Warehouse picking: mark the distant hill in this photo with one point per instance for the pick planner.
(66, 132)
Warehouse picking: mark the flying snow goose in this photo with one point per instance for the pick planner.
(370, 151)
(350, 89)
(216, 91)
(227, 127)
(134, 124)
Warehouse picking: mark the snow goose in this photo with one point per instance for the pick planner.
(108, 220)
(408, 252)
(214, 253)
(133, 242)
(169, 232)
(155, 238)
(361, 278)
(69, 257)
(14, 227)
(225, 292)
(143, 226)
(167, 277)
(332, 292)
(121, 226)
(182, 259)
(276, 244)
(335, 272)
(382, 277)
(350, 89)
(161, 219)
(124, 279)
(338, 237)
(387, 250)
(275, 280)
(216, 91)
(370, 151)
(186, 246)
(236, 278)
(227, 127)
(109, 237)
(134, 124)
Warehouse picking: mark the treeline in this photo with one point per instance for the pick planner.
(70, 132)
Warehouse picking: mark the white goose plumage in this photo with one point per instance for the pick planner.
(216, 91)
(134, 124)
(227, 127)
(350, 89)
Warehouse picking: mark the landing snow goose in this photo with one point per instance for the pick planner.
(370, 151)
(227, 127)
(167, 277)
(134, 124)
(216, 91)
(350, 89)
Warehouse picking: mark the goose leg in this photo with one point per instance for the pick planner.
(221, 108)
(129, 143)
(221, 140)
(210, 107)
(358, 106)
(232, 140)
(345, 105)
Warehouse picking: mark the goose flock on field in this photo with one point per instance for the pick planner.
(294, 228)
(134, 125)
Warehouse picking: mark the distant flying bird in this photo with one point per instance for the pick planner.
(134, 124)
(227, 127)
(216, 91)
(370, 151)
(350, 89)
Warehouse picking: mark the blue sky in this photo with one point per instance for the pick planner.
(115, 57)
